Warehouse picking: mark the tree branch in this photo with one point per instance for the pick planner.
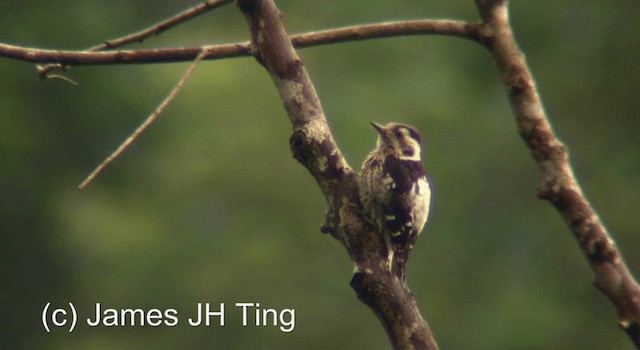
(314, 147)
(458, 29)
(560, 186)
(471, 31)
(79, 58)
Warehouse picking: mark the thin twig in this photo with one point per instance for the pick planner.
(162, 26)
(62, 77)
(466, 30)
(146, 123)
(140, 36)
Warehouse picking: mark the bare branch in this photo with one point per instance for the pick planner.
(172, 95)
(471, 31)
(459, 29)
(560, 186)
(78, 58)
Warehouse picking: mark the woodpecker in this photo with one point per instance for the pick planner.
(394, 191)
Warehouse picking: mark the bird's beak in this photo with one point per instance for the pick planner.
(379, 128)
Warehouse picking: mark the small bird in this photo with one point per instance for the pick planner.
(394, 190)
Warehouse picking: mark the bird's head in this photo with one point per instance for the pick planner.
(401, 140)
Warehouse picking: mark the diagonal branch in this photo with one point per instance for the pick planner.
(150, 119)
(314, 147)
(560, 186)
(158, 28)
(139, 36)
(470, 31)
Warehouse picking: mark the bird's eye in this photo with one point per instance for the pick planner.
(398, 134)
(408, 152)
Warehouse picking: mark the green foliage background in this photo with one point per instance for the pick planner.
(209, 205)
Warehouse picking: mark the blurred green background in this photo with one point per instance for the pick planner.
(209, 206)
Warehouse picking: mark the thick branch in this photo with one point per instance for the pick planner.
(313, 145)
(560, 186)
(364, 32)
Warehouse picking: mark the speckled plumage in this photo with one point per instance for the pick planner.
(394, 190)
